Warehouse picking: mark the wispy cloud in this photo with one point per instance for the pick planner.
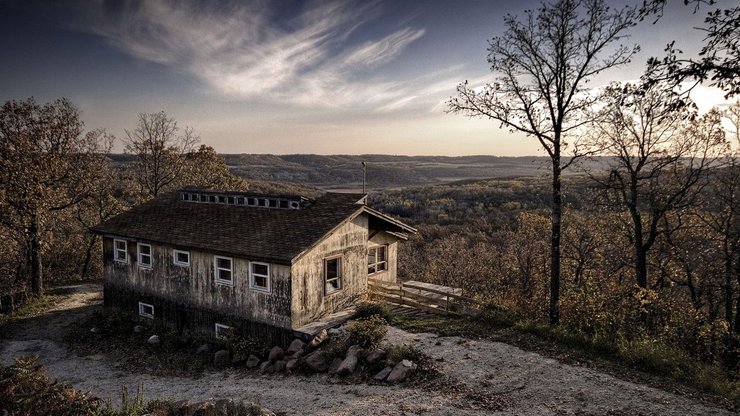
(243, 51)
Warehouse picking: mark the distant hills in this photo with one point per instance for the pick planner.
(344, 172)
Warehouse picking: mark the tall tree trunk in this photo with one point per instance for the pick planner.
(728, 291)
(557, 209)
(34, 257)
(88, 257)
(640, 261)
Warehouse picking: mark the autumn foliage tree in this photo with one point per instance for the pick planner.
(543, 61)
(48, 164)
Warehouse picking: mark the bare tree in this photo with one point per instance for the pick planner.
(660, 155)
(160, 148)
(718, 61)
(543, 61)
(47, 164)
(732, 114)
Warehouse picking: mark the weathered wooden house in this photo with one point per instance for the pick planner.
(266, 266)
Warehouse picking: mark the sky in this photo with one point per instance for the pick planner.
(282, 77)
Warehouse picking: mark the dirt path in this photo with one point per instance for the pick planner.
(531, 384)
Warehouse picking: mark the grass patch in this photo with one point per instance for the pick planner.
(33, 307)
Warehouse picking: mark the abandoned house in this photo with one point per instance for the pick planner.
(266, 266)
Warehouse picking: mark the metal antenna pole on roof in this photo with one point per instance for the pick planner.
(364, 176)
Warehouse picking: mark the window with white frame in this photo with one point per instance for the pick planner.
(223, 270)
(333, 274)
(120, 251)
(144, 255)
(223, 331)
(146, 310)
(377, 260)
(181, 258)
(259, 276)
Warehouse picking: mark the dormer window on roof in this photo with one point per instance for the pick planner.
(240, 199)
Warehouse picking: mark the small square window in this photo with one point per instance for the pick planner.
(273, 203)
(252, 201)
(333, 274)
(222, 270)
(146, 310)
(221, 199)
(230, 200)
(240, 200)
(204, 198)
(283, 204)
(376, 259)
(259, 276)
(120, 251)
(186, 197)
(144, 255)
(212, 199)
(223, 331)
(181, 258)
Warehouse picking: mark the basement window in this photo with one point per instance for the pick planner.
(146, 310)
(181, 258)
(223, 270)
(144, 255)
(120, 251)
(223, 331)
(259, 276)
(376, 259)
(333, 274)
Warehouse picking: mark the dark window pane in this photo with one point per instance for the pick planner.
(183, 257)
(224, 264)
(332, 268)
(381, 253)
(224, 275)
(259, 269)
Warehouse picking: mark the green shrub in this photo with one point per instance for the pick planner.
(398, 353)
(368, 309)
(368, 332)
(657, 357)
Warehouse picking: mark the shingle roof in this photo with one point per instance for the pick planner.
(275, 235)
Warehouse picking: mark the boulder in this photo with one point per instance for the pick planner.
(350, 361)
(221, 358)
(383, 373)
(276, 353)
(318, 361)
(252, 361)
(375, 355)
(334, 366)
(267, 368)
(295, 346)
(138, 329)
(400, 371)
(153, 340)
(317, 340)
(290, 364)
(280, 366)
(203, 350)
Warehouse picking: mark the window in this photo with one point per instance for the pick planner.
(230, 200)
(283, 203)
(120, 251)
(223, 331)
(333, 274)
(221, 199)
(204, 198)
(212, 199)
(186, 197)
(376, 259)
(144, 255)
(146, 310)
(259, 276)
(181, 258)
(222, 270)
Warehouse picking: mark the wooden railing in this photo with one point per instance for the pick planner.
(421, 297)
